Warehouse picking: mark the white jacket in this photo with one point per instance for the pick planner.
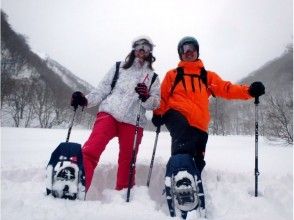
(123, 102)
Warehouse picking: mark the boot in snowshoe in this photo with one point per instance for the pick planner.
(183, 186)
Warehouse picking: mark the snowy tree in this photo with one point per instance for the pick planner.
(45, 106)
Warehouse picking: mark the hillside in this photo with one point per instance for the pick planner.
(35, 92)
(68, 77)
(276, 106)
(275, 74)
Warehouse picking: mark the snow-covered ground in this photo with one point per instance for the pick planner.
(228, 180)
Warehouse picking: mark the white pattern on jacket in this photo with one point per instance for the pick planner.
(123, 102)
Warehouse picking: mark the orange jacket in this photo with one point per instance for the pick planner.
(194, 105)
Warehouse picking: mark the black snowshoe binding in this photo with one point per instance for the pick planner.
(183, 186)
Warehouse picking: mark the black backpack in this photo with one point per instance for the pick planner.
(180, 78)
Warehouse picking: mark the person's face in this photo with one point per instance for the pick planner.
(189, 52)
(142, 50)
(141, 54)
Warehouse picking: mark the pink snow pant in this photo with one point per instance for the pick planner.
(105, 128)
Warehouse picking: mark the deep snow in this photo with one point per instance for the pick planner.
(228, 179)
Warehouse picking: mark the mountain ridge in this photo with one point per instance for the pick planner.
(34, 92)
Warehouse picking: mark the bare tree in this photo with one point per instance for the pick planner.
(18, 100)
(279, 117)
(220, 119)
(10, 66)
(44, 106)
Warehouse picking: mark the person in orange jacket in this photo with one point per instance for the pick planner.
(184, 105)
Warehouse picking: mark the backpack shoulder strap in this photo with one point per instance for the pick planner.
(203, 76)
(153, 80)
(179, 77)
(115, 77)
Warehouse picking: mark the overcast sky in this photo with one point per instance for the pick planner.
(89, 36)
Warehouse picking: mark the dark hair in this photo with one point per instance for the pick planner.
(131, 57)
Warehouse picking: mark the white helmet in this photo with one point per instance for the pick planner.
(143, 38)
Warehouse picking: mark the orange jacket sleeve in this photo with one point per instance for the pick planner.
(226, 89)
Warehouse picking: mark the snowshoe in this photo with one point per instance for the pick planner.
(184, 190)
(183, 185)
(65, 181)
(65, 176)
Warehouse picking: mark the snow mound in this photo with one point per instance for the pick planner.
(228, 180)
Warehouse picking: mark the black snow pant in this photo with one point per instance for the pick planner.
(185, 138)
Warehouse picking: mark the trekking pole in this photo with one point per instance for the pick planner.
(71, 124)
(153, 154)
(256, 172)
(133, 161)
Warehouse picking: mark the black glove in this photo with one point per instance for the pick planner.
(143, 92)
(157, 120)
(256, 89)
(78, 99)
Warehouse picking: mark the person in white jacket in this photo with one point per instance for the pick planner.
(118, 110)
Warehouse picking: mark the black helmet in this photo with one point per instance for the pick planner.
(187, 40)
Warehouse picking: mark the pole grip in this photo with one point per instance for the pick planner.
(158, 129)
(256, 101)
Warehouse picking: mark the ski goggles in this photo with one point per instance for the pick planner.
(188, 47)
(143, 45)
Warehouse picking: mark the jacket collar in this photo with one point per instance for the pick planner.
(137, 64)
(191, 66)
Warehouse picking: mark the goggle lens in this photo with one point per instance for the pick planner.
(143, 46)
(188, 47)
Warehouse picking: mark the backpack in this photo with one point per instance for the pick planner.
(116, 75)
(65, 176)
(183, 185)
(180, 77)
